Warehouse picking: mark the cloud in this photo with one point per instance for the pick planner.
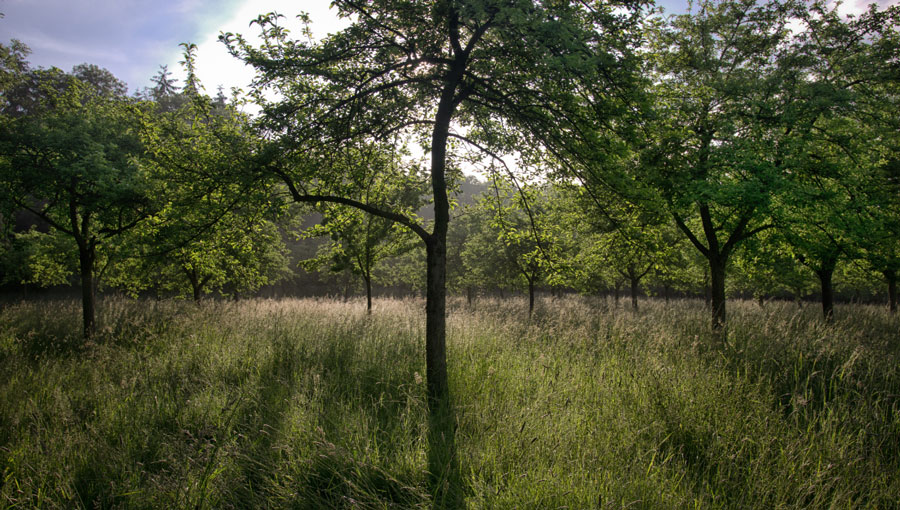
(858, 7)
(216, 67)
(131, 38)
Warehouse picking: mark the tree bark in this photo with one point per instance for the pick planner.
(195, 284)
(435, 321)
(436, 244)
(634, 293)
(368, 279)
(717, 291)
(891, 276)
(825, 274)
(86, 255)
(530, 297)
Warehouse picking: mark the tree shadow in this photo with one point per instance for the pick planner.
(388, 394)
(445, 481)
(249, 452)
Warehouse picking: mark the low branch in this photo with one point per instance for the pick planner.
(300, 197)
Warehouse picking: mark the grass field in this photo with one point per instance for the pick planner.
(313, 404)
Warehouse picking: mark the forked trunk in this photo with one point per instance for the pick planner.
(196, 286)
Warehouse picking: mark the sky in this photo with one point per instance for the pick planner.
(132, 38)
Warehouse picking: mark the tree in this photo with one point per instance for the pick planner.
(834, 160)
(521, 225)
(766, 266)
(818, 225)
(417, 69)
(630, 242)
(359, 241)
(71, 158)
(883, 247)
(715, 146)
(241, 252)
(742, 102)
(210, 232)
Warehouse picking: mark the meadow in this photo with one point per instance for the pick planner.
(315, 404)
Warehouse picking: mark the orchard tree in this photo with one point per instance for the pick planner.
(828, 216)
(486, 263)
(522, 228)
(241, 252)
(465, 225)
(212, 231)
(431, 70)
(766, 266)
(819, 225)
(719, 72)
(72, 159)
(883, 247)
(360, 241)
(744, 94)
(631, 242)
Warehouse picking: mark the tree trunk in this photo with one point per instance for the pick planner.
(634, 293)
(717, 291)
(825, 274)
(666, 290)
(470, 295)
(436, 244)
(195, 285)
(891, 276)
(86, 256)
(618, 290)
(368, 280)
(530, 297)
(435, 321)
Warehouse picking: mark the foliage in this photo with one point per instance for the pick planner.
(215, 229)
(71, 158)
(360, 242)
(414, 69)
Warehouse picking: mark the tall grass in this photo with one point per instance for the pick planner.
(314, 404)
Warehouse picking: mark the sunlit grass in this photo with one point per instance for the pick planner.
(314, 404)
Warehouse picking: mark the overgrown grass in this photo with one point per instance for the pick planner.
(313, 404)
